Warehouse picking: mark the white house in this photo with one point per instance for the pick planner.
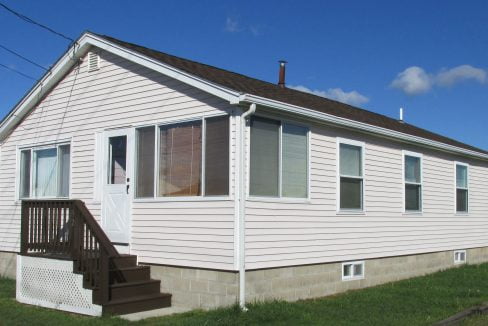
(167, 181)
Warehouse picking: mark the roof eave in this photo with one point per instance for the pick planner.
(78, 50)
(364, 127)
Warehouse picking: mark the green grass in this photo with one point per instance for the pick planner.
(417, 301)
(480, 320)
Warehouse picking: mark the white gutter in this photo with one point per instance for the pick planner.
(242, 207)
(388, 133)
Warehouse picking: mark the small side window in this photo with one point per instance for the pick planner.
(351, 176)
(461, 188)
(460, 257)
(352, 270)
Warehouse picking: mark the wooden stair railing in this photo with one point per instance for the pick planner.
(66, 229)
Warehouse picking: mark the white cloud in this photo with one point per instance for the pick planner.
(352, 97)
(415, 80)
(449, 77)
(232, 25)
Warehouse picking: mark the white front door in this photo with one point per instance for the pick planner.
(118, 159)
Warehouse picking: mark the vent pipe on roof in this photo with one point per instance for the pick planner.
(281, 80)
(401, 115)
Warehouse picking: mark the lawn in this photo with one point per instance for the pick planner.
(418, 301)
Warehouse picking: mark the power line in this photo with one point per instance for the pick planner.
(29, 20)
(22, 57)
(17, 72)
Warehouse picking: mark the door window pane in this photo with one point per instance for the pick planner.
(295, 161)
(217, 156)
(412, 197)
(117, 159)
(145, 162)
(412, 169)
(264, 176)
(64, 170)
(350, 160)
(45, 172)
(25, 173)
(351, 193)
(180, 158)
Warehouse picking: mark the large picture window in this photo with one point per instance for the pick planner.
(278, 159)
(461, 188)
(45, 172)
(192, 159)
(413, 182)
(351, 176)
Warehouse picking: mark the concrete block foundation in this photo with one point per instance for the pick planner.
(8, 264)
(194, 288)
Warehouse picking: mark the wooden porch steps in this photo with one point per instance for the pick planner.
(131, 289)
(66, 229)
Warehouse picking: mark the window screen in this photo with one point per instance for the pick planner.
(180, 158)
(264, 157)
(461, 188)
(217, 156)
(295, 161)
(145, 161)
(413, 186)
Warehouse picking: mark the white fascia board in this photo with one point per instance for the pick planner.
(62, 66)
(361, 126)
(78, 50)
(225, 93)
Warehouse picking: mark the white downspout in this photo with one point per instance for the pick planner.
(242, 207)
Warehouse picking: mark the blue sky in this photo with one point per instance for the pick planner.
(429, 57)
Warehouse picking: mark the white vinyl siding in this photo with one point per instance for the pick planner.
(289, 233)
(200, 232)
(120, 94)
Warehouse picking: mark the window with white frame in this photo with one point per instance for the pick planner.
(278, 159)
(460, 256)
(413, 182)
(183, 159)
(352, 270)
(45, 171)
(350, 175)
(461, 188)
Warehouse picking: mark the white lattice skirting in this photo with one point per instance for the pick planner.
(51, 283)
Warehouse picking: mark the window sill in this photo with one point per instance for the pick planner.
(461, 214)
(353, 279)
(351, 212)
(413, 213)
(180, 199)
(279, 200)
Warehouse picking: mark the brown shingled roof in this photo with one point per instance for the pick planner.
(248, 85)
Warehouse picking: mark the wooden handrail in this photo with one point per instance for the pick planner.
(66, 229)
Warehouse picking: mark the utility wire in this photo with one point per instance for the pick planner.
(22, 57)
(16, 71)
(29, 20)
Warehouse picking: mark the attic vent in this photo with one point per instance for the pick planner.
(93, 62)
